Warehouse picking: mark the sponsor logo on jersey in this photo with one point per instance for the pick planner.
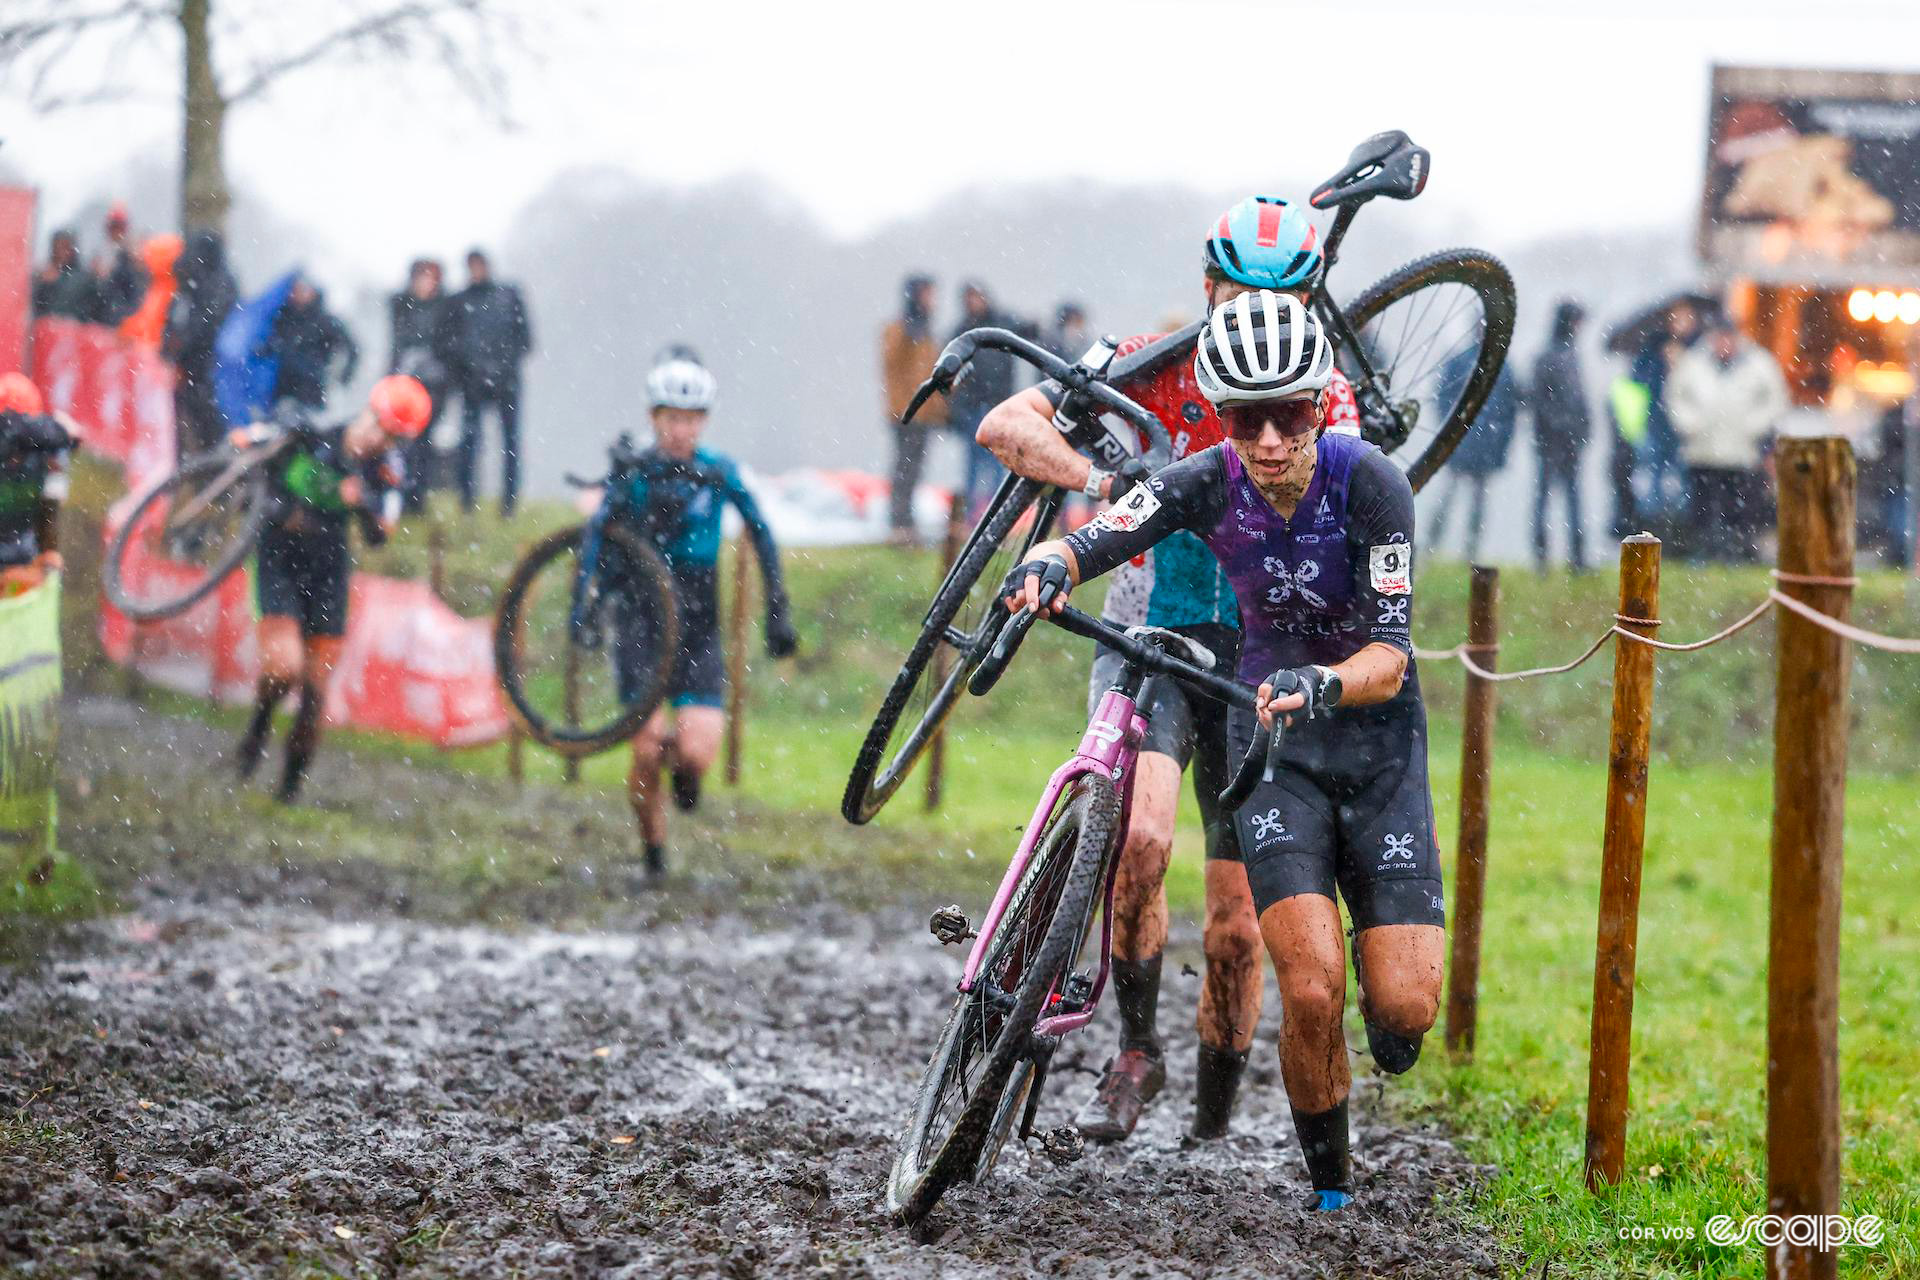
(1390, 568)
(1192, 412)
(1325, 513)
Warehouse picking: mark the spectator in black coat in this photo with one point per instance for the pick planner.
(120, 278)
(307, 338)
(987, 383)
(1482, 454)
(1562, 424)
(485, 337)
(63, 287)
(204, 294)
(415, 315)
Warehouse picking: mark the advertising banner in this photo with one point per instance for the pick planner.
(1813, 177)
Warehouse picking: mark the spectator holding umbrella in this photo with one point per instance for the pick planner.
(485, 337)
(907, 353)
(306, 338)
(204, 292)
(1561, 425)
(1725, 397)
(415, 315)
(62, 287)
(1482, 454)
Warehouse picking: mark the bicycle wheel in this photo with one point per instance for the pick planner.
(1435, 334)
(185, 536)
(947, 649)
(962, 1098)
(565, 681)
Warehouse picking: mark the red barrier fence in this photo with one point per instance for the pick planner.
(409, 664)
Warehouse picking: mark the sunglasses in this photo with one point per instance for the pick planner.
(1289, 417)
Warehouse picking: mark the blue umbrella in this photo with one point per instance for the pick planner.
(244, 375)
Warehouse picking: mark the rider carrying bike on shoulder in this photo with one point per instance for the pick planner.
(1315, 532)
(679, 492)
(327, 478)
(1261, 242)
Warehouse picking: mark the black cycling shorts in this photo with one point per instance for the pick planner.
(1349, 807)
(699, 674)
(1183, 724)
(305, 576)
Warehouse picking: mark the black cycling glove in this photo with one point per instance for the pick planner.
(1054, 580)
(782, 640)
(1319, 685)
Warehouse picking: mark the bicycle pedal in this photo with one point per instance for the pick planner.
(1077, 992)
(950, 925)
(1062, 1144)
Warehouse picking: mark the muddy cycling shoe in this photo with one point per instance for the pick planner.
(1214, 1086)
(686, 790)
(1132, 1079)
(1326, 1201)
(656, 863)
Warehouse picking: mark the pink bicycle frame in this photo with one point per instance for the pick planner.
(1109, 748)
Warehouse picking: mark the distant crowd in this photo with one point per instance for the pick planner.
(181, 297)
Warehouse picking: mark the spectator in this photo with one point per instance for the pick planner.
(120, 280)
(1483, 452)
(1561, 425)
(62, 287)
(204, 293)
(306, 338)
(1658, 458)
(1070, 336)
(907, 353)
(988, 383)
(148, 322)
(1883, 487)
(485, 336)
(415, 315)
(1725, 398)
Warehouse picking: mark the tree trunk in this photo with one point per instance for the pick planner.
(203, 174)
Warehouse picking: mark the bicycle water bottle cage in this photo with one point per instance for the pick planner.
(1387, 164)
(1172, 643)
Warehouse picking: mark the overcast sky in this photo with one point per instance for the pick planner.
(1538, 121)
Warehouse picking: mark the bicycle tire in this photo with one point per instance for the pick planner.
(877, 774)
(1488, 279)
(510, 642)
(1080, 840)
(205, 466)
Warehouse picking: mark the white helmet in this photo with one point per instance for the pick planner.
(680, 384)
(1262, 346)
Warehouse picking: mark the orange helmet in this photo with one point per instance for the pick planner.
(401, 404)
(19, 395)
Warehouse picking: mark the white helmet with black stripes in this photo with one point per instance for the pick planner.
(1262, 345)
(681, 384)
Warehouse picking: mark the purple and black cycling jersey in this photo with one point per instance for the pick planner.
(1316, 588)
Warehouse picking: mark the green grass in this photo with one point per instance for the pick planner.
(1696, 1133)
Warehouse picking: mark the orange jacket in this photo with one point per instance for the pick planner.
(149, 320)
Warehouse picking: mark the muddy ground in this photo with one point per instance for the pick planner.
(272, 1057)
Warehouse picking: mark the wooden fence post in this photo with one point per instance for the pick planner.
(1610, 1048)
(1816, 483)
(437, 560)
(942, 660)
(737, 632)
(570, 704)
(1476, 781)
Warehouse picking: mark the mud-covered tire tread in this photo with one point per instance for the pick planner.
(1094, 809)
(114, 584)
(506, 653)
(862, 798)
(1489, 278)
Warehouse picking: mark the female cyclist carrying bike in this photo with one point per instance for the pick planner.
(1315, 532)
(330, 477)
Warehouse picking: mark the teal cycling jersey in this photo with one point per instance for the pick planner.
(681, 503)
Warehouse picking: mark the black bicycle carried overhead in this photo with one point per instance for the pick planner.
(1422, 347)
(187, 533)
(585, 636)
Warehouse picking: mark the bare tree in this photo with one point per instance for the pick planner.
(232, 52)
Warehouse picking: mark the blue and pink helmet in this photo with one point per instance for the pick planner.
(1264, 242)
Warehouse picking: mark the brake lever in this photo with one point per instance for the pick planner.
(1005, 644)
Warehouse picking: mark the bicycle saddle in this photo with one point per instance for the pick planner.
(1387, 164)
(1172, 643)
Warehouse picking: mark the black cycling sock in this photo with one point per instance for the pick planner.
(1216, 1082)
(656, 856)
(302, 740)
(253, 743)
(1323, 1141)
(1136, 989)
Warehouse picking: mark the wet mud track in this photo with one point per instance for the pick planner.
(206, 1083)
